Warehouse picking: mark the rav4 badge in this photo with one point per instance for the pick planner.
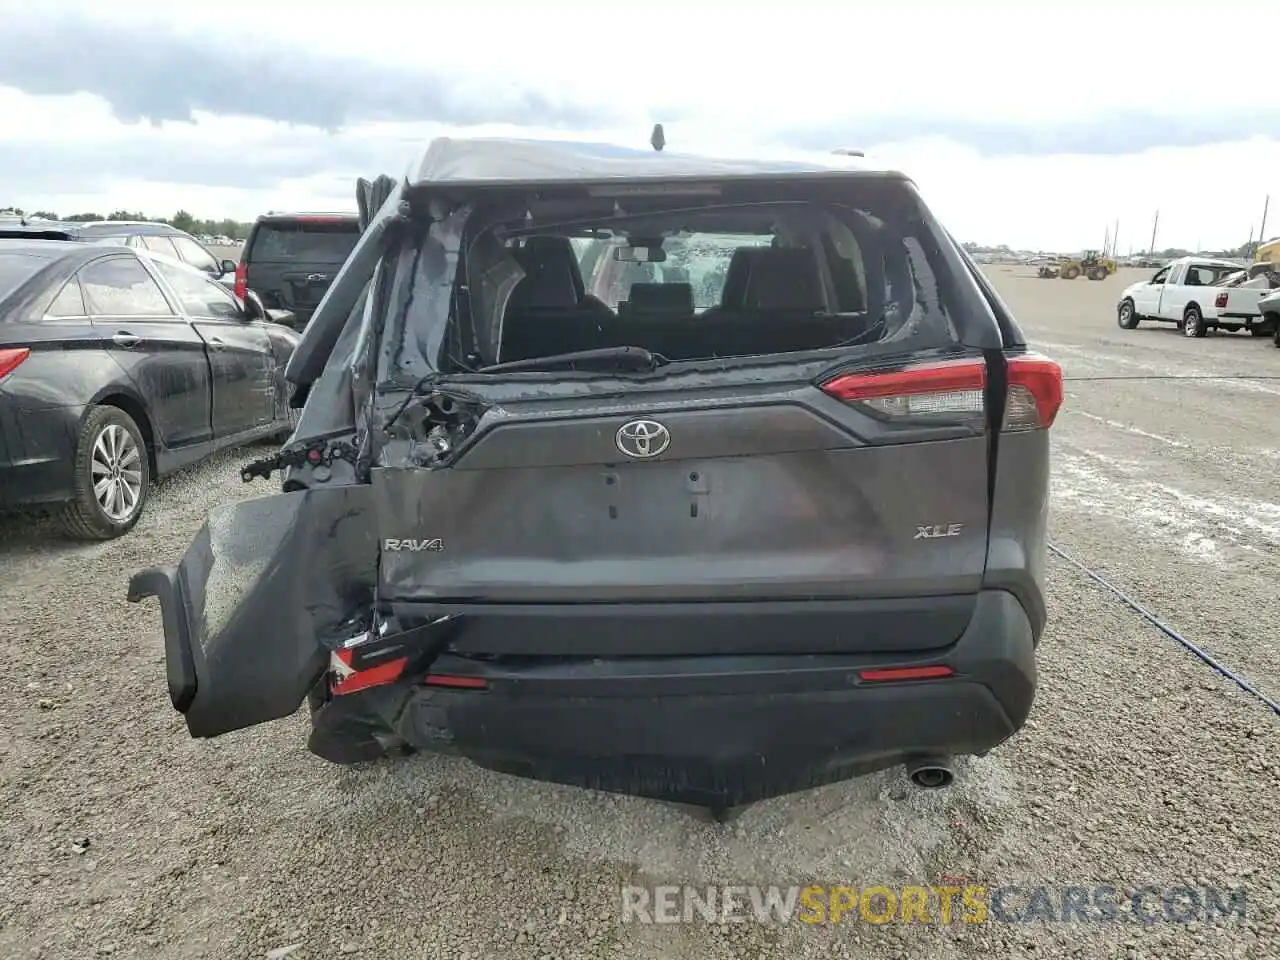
(934, 530)
(414, 546)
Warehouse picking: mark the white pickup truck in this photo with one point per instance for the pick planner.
(1198, 293)
(1269, 306)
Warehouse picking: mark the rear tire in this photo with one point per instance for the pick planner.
(111, 479)
(1258, 331)
(1070, 273)
(1126, 316)
(1193, 324)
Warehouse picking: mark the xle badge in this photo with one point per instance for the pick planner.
(414, 546)
(932, 531)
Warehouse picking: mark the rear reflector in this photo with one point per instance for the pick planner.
(950, 389)
(457, 682)
(891, 674)
(10, 358)
(1035, 393)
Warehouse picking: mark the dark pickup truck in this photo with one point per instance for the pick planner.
(290, 259)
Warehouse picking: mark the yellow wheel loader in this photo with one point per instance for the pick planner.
(1092, 265)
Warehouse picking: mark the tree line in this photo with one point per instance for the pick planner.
(182, 220)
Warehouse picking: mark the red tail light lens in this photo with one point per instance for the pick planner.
(952, 389)
(346, 680)
(1220, 300)
(1035, 393)
(242, 279)
(10, 358)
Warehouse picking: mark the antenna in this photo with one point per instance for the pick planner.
(658, 138)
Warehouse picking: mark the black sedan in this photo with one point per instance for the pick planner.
(117, 367)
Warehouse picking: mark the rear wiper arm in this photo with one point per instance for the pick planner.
(626, 358)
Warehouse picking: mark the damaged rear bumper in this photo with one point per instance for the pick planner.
(710, 730)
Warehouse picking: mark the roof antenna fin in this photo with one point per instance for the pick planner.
(658, 139)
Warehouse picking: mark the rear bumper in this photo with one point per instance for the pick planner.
(709, 730)
(37, 450)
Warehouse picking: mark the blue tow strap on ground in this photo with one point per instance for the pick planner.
(1166, 629)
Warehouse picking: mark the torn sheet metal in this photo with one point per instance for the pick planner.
(414, 333)
(250, 609)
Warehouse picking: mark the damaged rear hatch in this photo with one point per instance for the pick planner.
(744, 411)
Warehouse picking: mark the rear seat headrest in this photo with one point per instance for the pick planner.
(663, 298)
(784, 278)
(735, 278)
(552, 279)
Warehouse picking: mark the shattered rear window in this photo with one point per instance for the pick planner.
(772, 273)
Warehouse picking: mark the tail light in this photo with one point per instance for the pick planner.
(955, 390)
(1035, 393)
(242, 279)
(10, 358)
(1220, 300)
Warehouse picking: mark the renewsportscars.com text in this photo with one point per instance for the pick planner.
(934, 904)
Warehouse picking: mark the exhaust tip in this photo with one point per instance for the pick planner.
(931, 774)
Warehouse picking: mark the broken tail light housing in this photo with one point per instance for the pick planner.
(10, 358)
(346, 678)
(242, 280)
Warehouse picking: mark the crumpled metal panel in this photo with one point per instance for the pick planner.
(250, 609)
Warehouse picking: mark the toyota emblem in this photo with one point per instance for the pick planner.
(642, 439)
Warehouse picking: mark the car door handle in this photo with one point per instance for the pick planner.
(215, 343)
(126, 339)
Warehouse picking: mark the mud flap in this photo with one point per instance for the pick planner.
(248, 610)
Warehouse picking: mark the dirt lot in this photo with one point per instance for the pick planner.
(1141, 766)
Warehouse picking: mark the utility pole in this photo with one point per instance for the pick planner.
(1262, 230)
(1115, 241)
(1155, 223)
(1106, 240)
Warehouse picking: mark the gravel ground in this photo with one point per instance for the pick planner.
(122, 837)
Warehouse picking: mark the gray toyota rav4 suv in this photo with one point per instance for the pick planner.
(693, 479)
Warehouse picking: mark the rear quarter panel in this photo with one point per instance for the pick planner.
(1018, 540)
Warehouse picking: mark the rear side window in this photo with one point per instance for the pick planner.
(16, 269)
(320, 241)
(69, 302)
(121, 287)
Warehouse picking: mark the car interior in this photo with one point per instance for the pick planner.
(804, 281)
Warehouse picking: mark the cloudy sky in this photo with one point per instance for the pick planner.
(1022, 124)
